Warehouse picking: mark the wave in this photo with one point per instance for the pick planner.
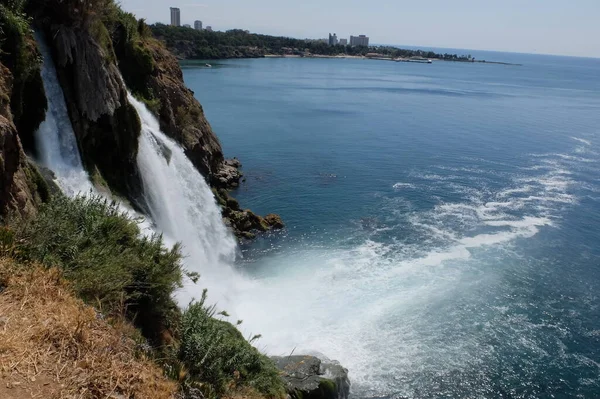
(400, 186)
(584, 141)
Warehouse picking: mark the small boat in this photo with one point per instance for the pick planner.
(208, 65)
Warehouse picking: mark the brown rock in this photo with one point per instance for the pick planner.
(20, 183)
(180, 115)
(274, 221)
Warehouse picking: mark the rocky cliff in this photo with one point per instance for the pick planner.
(106, 125)
(21, 186)
(100, 52)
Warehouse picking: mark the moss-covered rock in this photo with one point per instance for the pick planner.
(306, 377)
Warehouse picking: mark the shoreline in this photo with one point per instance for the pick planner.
(362, 57)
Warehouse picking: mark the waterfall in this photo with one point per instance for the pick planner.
(180, 202)
(183, 208)
(55, 137)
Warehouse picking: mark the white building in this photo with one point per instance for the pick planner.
(209, 28)
(187, 26)
(343, 42)
(175, 17)
(198, 25)
(360, 40)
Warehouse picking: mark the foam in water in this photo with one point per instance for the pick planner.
(381, 307)
(184, 210)
(55, 137)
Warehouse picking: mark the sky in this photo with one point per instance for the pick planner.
(562, 27)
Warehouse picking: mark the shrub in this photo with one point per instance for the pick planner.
(110, 264)
(215, 352)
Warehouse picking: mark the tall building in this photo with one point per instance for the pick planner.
(175, 17)
(333, 40)
(198, 25)
(360, 40)
(343, 42)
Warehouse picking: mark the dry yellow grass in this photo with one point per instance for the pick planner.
(54, 346)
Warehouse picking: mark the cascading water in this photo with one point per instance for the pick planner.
(184, 210)
(181, 203)
(55, 136)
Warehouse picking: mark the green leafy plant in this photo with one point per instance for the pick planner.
(215, 352)
(100, 249)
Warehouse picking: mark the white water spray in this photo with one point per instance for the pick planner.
(184, 210)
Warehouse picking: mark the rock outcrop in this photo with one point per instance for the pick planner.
(307, 377)
(243, 222)
(229, 174)
(22, 188)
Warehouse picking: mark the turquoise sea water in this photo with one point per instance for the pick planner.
(443, 221)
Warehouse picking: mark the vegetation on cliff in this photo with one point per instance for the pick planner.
(128, 278)
(19, 53)
(189, 43)
(52, 345)
(131, 278)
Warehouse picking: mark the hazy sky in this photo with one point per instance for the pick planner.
(568, 27)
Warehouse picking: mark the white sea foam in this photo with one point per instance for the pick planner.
(400, 186)
(375, 297)
(584, 141)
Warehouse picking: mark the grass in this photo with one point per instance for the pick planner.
(110, 264)
(126, 276)
(53, 345)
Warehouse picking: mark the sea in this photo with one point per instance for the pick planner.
(442, 220)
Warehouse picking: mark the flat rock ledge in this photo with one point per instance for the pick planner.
(307, 377)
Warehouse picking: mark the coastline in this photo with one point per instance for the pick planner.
(362, 57)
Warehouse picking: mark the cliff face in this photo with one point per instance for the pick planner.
(181, 116)
(154, 75)
(100, 52)
(21, 186)
(106, 125)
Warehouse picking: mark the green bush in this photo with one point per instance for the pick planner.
(215, 352)
(100, 249)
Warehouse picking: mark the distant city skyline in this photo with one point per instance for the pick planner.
(539, 27)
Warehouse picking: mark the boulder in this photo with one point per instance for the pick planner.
(228, 175)
(307, 377)
(274, 221)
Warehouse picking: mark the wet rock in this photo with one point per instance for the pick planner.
(307, 377)
(243, 222)
(274, 221)
(232, 203)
